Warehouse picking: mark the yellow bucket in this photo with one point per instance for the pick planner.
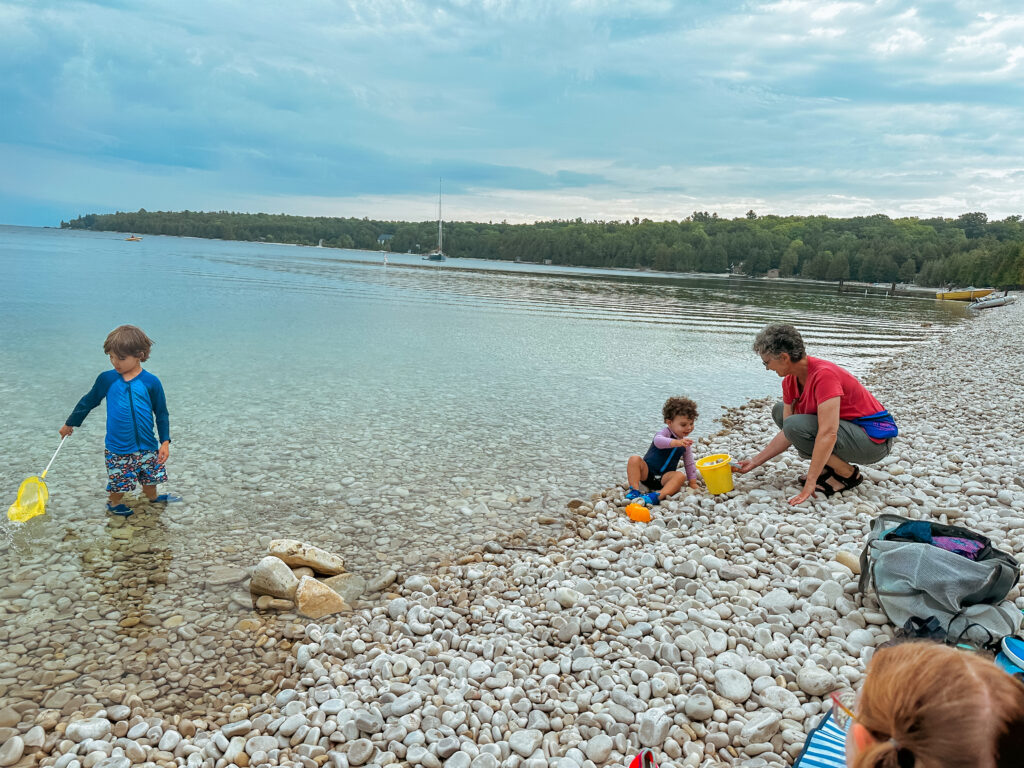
(717, 472)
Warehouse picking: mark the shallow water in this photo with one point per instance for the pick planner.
(393, 415)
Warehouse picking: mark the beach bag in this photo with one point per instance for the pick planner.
(922, 570)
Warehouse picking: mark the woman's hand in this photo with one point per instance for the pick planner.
(804, 495)
(745, 465)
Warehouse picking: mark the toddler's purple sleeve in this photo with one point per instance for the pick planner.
(691, 464)
(663, 440)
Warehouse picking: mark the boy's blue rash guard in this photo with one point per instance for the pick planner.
(131, 407)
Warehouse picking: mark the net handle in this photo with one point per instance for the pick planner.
(43, 476)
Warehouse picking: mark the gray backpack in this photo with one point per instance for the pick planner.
(915, 581)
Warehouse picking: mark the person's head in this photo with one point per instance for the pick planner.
(779, 345)
(931, 706)
(127, 341)
(679, 413)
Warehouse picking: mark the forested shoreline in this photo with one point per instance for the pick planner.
(967, 250)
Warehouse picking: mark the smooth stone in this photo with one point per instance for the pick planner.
(221, 575)
(359, 751)
(814, 681)
(598, 748)
(655, 725)
(733, 685)
(90, 728)
(778, 698)
(524, 742)
(349, 585)
(297, 553)
(849, 559)
(35, 737)
(317, 600)
(406, 703)
(12, 750)
(699, 707)
(777, 601)
(273, 577)
(760, 727)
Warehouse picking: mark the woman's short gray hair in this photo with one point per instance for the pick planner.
(778, 338)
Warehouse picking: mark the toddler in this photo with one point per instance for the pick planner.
(135, 399)
(657, 468)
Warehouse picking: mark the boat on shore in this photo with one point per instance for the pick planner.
(992, 301)
(133, 239)
(437, 254)
(968, 294)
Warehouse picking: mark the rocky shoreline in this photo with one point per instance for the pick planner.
(712, 634)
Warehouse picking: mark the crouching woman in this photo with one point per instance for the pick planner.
(825, 413)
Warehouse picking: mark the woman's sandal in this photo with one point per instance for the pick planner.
(855, 479)
(845, 483)
(825, 474)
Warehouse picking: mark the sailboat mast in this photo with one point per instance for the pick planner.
(440, 233)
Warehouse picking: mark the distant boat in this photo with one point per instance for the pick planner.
(437, 254)
(133, 239)
(968, 294)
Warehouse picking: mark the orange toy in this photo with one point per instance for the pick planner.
(638, 513)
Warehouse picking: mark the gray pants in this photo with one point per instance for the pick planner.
(852, 443)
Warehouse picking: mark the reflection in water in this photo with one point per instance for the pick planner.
(391, 415)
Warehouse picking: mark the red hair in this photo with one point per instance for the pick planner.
(932, 706)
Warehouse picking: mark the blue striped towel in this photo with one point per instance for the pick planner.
(825, 746)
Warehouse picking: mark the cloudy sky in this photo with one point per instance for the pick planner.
(537, 109)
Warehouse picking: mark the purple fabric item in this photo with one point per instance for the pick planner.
(663, 441)
(966, 547)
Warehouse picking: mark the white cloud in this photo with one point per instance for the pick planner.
(900, 43)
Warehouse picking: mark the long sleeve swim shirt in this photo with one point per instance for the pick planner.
(662, 457)
(132, 409)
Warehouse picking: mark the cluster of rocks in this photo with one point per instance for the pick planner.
(286, 579)
(712, 635)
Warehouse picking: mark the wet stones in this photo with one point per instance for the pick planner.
(273, 577)
(315, 600)
(12, 750)
(297, 554)
(90, 728)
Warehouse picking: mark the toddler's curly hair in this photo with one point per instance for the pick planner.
(679, 406)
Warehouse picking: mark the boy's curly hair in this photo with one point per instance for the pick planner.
(679, 406)
(128, 341)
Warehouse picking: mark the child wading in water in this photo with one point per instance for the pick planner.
(657, 468)
(135, 398)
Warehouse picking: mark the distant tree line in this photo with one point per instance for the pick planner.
(967, 250)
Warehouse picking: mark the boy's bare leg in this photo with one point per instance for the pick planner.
(671, 482)
(115, 499)
(149, 491)
(636, 471)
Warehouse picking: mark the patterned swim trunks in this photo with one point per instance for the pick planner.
(125, 469)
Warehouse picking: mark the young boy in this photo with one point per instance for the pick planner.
(134, 398)
(657, 468)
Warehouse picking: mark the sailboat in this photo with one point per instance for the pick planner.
(437, 254)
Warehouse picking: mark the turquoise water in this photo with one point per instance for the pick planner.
(394, 415)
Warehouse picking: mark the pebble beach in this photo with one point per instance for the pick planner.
(712, 635)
